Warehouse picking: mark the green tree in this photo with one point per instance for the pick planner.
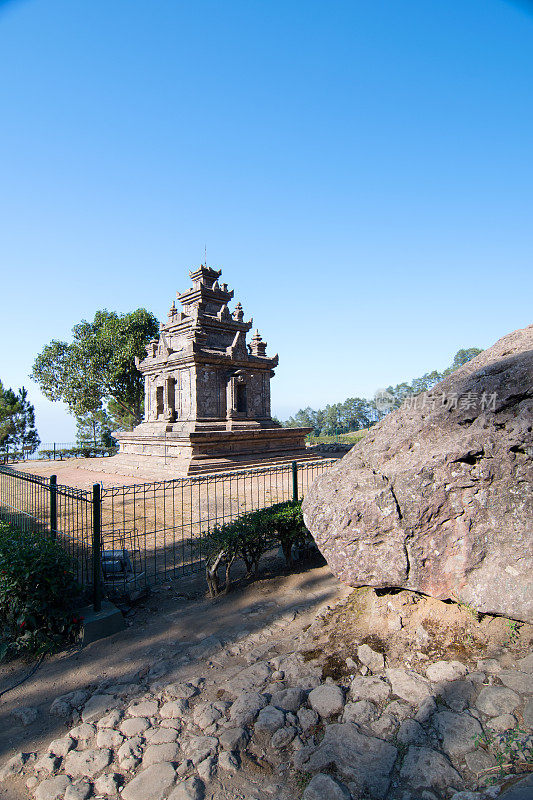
(25, 434)
(357, 412)
(17, 422)
(9, 406)
(98, 367)
(120, 419)
(462, 357)
(95, 428)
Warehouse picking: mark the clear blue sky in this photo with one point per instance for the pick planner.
(361, 171)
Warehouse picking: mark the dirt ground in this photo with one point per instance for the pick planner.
(410, 629)
(175, 614)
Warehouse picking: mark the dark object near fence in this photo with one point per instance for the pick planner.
(116, 564)
(122, 565)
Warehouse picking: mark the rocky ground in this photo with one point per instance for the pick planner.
(305, 689)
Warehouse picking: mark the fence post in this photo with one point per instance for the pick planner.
(53, 505)
(294, 482)
(54, 451)
(97, 544)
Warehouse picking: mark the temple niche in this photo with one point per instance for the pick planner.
(207, 391)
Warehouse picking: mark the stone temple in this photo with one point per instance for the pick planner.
(207, 392)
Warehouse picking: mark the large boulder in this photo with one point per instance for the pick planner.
(438, 497)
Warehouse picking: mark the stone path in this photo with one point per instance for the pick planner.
(245, 716)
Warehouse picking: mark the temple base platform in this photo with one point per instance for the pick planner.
(173, 455)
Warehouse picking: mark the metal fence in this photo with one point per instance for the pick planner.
(56, 451)
(128, 537)
(32, 503)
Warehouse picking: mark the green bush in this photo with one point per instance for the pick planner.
(37, 594)
(285, 523)
(250, 536)
(46, 453)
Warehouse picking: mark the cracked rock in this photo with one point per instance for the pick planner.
(324, 787)
(327, 700)
(87, 764)
(152, 783)
(52, 788)
(364, 761)
(424, 768)
(393, 511)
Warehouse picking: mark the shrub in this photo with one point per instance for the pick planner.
(37, 593)
(46, 453)
(249, 537)
(286, 524)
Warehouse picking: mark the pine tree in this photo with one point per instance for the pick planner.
(26, 437)
(17, 422)
(8, 408)
(94, 429)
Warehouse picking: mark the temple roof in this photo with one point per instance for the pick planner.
(205, 290)
(206, 324)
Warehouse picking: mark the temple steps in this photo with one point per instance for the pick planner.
(153, 468)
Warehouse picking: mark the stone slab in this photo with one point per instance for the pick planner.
(100, 624)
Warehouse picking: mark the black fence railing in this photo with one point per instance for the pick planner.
(56, 451)
(31, 502)
(124, 538)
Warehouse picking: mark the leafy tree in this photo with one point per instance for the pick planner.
(462, 357)
(95, 428)
(17, 421)
(98, 367)
(25, 432)
(119, 419)
(9, 406)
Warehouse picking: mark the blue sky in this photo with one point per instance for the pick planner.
(361, 171)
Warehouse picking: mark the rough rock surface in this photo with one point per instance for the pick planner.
(438, 496)
(322, 786)
(361, 760)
